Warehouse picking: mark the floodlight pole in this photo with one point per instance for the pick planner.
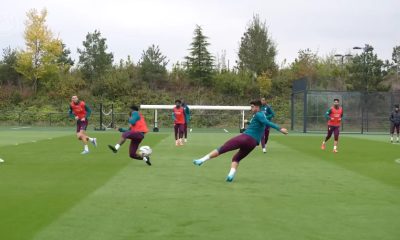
(367, 48)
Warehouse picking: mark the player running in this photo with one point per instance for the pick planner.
(334, 116)
(178, 115)
(269, 114)
(138, 128)
(81, 112)
(245, 142)
(395, 123)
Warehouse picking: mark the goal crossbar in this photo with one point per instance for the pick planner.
(196, 107)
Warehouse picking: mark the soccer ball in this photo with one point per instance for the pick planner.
(145, 150)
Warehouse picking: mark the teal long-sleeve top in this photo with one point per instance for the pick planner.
(257, 126)
(187, 113)
(328, 113)
(88, 112)
(267, 110)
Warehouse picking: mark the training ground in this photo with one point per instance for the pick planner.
(296, 191)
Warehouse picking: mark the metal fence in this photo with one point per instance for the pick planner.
(363, 112)
(200, 119)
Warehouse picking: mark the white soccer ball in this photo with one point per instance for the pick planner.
(145, 150)
(1, 160)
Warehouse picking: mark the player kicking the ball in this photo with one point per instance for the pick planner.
(81, 112)
(334, 116)
(245, 142)
(138, 128)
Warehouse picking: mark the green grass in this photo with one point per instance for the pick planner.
(295, 191)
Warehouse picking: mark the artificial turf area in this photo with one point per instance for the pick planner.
(295, 191)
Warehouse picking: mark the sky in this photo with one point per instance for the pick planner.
(131, 26)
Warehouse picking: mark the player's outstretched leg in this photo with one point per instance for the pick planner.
(200, 161)
(114, 149)
(118, 145)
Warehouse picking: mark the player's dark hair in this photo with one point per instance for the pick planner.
(256, 103)
(336, 99)
(178, 101)
(396, 105)
(134, 108)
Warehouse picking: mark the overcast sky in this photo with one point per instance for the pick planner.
(130, 26)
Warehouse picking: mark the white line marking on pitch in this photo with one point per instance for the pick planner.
(19, 128)
(225, 130)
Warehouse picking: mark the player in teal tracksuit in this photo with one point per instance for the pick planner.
(245, 142)
(269, 114)
(187, 120)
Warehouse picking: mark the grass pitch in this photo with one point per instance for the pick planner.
(295, 191)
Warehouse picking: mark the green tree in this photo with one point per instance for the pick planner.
(257, 50)
(94, 61)
(200, 63)
(39, 59)
(8, 74)
(264, 82)
(64, 60)
(396, 60)
(365, 72)
(153, 64)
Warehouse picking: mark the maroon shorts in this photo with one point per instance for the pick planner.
(136, 138)
(81, 125)
(243, 142)
(335, 131)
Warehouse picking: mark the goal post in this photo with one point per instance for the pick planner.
(240, 109)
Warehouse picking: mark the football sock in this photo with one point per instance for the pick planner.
(334, 147)
(232, 172)
(117, 146)
(86, 148)
(205, 158)
(91, 139)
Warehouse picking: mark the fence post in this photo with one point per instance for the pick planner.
(101, 116)
(362, 112)
(292, 112)
(112, 116)
(305, 112)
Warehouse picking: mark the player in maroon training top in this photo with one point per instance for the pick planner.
(334, 116)
(178, 116)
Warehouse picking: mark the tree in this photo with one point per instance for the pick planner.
(257, 51)
(200, 62)
(64, 60)
(42, 49)
(396, 60)
(264, 82)
(153, 64)
(94, 61)
(366, 72)
(8, 74)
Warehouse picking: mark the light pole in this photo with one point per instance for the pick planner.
(367, 48)
(341, 56)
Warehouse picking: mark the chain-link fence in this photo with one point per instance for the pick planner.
(363, 112)
(213, 119)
